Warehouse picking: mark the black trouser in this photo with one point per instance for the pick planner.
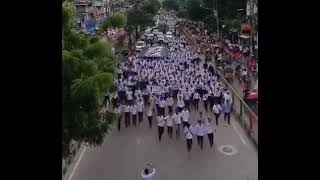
(158, 109)
(162, 111)
(134, 119)
(140, 116)
(150, 121)
(170, 131)
(127, 119)
(227, 117)
(196, 103)
(189, 144)
(217, 118)
(178, 130)
(205, 104)
(211, 101)
(160, 132)
(170, 109)
(210, 136)
(200, 141)
(187, 103)
(119, 122)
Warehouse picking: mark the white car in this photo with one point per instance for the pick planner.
(140, 45)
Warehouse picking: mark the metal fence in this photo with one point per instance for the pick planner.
(241, 110)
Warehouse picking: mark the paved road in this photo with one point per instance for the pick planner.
(123, 155)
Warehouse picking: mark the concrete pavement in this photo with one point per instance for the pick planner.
(123, 155)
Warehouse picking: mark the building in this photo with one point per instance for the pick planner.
(91, 12)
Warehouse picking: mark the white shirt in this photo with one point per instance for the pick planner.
(177, 118)
(160, 120)
(169, 120)
(140, 106)
(134, 109)
(200, 130)
(149, 113)
(170, 101)
(209, 127)
(129, 95)
(196, 95)
(216, 109)
(185, 115)
(162, 103)
(188, 132)
(180, 103)
(205, 97)
(127, 109)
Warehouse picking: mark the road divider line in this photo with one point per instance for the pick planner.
(75, 167)
(239, 134)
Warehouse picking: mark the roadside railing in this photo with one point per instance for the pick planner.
(245, 115)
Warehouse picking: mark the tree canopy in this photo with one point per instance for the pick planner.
(170, 5)
(88, 67)
(118, 20)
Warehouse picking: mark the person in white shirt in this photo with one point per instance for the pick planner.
(209, 130)
(177, 121)
(118, 111)
(227, 96)
(205, 101)
(216, 111)
(170, 102)
(140, 109)
(129, 97)
(150, 115)
(134, 114)
(186, 98)
(162, 105)
(200, 130)
(188, 130)
(180, 104)
(185, 116)
(196, 97)
(127, 111)
(148, 172)
(161, 122)
(169, 123)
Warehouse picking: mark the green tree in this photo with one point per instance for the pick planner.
(170, 5)
(88, 67)
(195, 12)
(118, 20)
(151, 6)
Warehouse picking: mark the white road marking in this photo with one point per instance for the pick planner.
(74, 169)
(239, 134)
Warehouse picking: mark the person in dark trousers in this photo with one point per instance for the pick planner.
(209, 130)
(216, 111)
(161, 122)
(205, 102)
(140, 109)
(170, 102)
(169, 123)
(127, 111)
(150, 116)
(200, 130)
(134, 114)
(188, 133)
(226, 107)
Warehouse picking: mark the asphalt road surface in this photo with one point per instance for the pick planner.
(123, 155)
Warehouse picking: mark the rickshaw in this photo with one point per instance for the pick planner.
(228, 73)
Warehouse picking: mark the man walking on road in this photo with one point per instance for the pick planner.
(127, 111)
(188, 129)
(216, 111)
(134, 114)
(226, 110)
(177, 122)
(161, 122)
(140, 108)
(185, 116)
(150, 115)
(170, 103)
(209, 130)
(200, 130)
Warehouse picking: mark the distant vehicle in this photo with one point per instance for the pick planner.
(140, 45)
(169, 35)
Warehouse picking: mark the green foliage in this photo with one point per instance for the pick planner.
(118, 20)
(195, 12)
(151, 6)
(88, 66)
(170, 5)
(182, 13)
